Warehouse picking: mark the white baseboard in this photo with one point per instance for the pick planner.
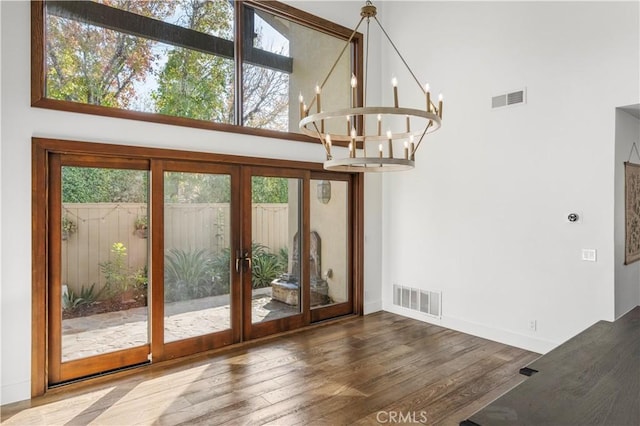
(14, 392)
(506, 337)
(372, 307)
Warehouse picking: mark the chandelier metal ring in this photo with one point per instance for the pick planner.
(369, 164)
(317, 118)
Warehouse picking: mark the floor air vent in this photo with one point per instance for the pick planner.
(427, 302)
(509, 99)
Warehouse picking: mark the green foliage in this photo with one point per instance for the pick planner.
(186, 275)
(68, 227)
(100, 185)
(220, 272)
(265, 266)
(266, 189)
(180, 187)
(194, 84)
(116, 271)
(89, 64)
(283, 259)
(141, 222)
(98, 66)
(71, 300)
(140, 278)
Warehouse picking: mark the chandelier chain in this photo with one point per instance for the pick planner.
(335, 64)
(398, 52)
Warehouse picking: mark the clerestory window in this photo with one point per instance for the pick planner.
(222, 64)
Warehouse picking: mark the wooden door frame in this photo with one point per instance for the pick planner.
(59, 371)
(161, 350)
(44, 148)
(256, 330)
(348, 307)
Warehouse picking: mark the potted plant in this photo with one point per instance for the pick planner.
(141, 226)
(68, 227)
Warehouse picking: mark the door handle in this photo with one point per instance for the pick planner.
(244, 257)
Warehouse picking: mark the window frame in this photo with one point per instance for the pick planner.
(38, 70)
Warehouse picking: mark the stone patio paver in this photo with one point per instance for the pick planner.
(112, 331)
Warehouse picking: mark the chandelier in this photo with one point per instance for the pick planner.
(369, 148)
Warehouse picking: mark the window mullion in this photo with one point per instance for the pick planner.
(238, 54)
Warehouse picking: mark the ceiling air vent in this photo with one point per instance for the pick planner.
(509, 99)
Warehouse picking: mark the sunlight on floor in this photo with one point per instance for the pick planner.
(58, 412)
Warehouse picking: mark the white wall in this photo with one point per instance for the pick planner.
(483, 216)
(20, 123)
(627, 277)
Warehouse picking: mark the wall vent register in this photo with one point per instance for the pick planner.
(509, 99)
(427, 302)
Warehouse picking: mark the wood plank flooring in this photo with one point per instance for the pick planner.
(592, 379)
(365, 370)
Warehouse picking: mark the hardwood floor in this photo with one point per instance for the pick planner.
(364, 370)
(592, 379)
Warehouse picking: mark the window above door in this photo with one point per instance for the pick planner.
(222, 65)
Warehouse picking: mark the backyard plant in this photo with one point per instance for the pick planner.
(116, 271)
(220, 272)
(283, 259)
(187, 275)
(68, 227)
(266, 266)
(141, 226)
(87, 296)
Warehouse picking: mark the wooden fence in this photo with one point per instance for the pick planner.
(187, 227)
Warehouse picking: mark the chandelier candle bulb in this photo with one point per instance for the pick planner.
(328, 139)
(380, 150)
(394, 82)
(318, 105)
(426, 89)
(348, 124)
(379, 125)
(354, 86)
(406, 150)
(351, 150)
(440, 105)
(408, 124)
(301, 99)
(390, 143)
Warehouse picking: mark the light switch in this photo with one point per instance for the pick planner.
(589, 255)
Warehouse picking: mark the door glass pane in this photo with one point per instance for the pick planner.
(104, 260)
(276, 245)
(329, 267)
(197, 256)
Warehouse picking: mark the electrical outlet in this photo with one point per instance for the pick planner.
(533, 325)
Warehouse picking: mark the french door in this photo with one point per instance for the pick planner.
(154, 259)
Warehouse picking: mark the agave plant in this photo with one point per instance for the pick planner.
(186, 274)
(266, 266)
